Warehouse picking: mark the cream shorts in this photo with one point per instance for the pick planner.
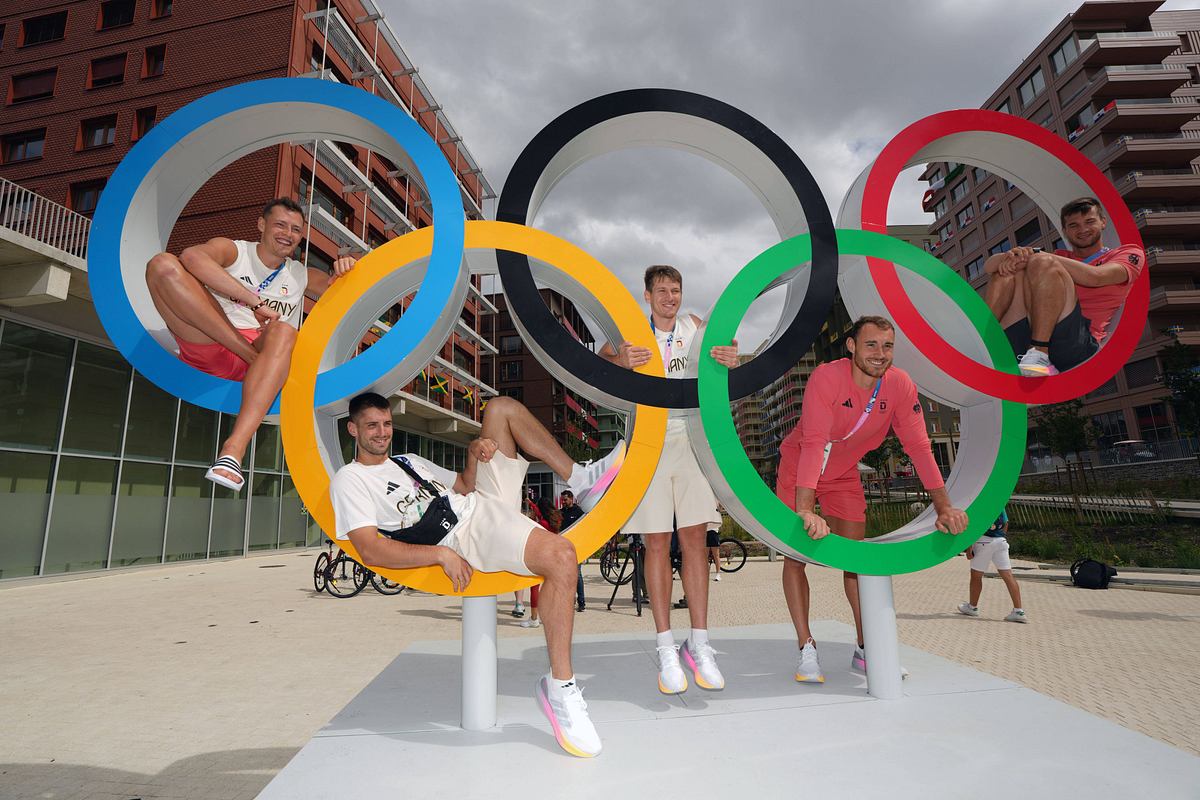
(493, 537)
(990, 550)
(678, 493)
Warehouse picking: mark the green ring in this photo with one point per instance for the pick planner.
(869, 558)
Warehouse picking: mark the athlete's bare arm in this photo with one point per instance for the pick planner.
(628, 355)
(209, 264)
(806, 502)
(379, 551)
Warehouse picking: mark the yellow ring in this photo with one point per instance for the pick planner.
(296, 405)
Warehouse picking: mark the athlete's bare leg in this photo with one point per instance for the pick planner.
(1049, 295)
(553, 558)
(189, 309)
(856, 531)
(657, 570)
(510, 425)
(695, 572)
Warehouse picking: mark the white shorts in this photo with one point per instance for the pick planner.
(678, 493)
(493, 537)
(990, 550)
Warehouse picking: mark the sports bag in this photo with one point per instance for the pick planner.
(1087, 573)
(435, 523)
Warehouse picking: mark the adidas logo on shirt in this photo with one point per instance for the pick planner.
(848, 404)
(391, 487)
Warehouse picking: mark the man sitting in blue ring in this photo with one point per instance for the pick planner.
(234, 308)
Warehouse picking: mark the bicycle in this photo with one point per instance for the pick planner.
(732, 553)
(342, 576)
(611, 558)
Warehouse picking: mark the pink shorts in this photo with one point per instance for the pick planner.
(216, 359)
(841, 497)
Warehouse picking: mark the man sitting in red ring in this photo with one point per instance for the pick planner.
(1056, 308)
(848, 407)
(234, 309)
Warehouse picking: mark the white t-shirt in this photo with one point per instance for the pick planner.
(385, 497)
(285, 292)
(674, 345)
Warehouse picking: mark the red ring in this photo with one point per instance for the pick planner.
(1077, 381)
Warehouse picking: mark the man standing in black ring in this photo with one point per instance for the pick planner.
(679, 491)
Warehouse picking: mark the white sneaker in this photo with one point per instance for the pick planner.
(1034, 363)
(809, 669)
(531, 623)
(701, 660)
(671, 679)
(1016, 615)
(968, 609)
(717, 577)
(569, 719)
(858, 663)
(589, 481)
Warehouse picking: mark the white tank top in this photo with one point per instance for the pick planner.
(674, 345)
(284, 292)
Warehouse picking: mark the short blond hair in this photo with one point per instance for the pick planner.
(657, 272)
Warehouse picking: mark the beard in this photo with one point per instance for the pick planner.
(376, 450)
(873, 371)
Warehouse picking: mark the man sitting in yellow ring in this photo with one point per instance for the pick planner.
(405, 511)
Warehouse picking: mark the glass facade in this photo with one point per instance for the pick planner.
(100, 468)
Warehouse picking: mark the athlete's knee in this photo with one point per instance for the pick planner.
(164, 266)
(1042, 264)
(792, 565)
(560, 558)
(501, 406)
(279, 339)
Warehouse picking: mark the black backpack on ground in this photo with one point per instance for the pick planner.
(1088, 573)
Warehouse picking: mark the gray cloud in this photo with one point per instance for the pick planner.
(835, 80)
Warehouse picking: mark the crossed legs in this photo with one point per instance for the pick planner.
(193, 315)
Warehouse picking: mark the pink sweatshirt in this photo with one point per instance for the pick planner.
(833, 404)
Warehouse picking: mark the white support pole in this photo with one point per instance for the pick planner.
(879, 636)
(479, 663)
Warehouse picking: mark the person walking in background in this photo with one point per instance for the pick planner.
(992, 549)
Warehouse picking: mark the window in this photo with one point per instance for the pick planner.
(324, 199)
(1067, 52)
(945, 232)
(515, 392)
(935, 176)
(1004, 108)
(965, 217)
(107, 71)
(1032, 87)
(114, 13)
(1152, 422)
(510, 345)
(932, 406)
(97, 132)
(1029, 233)
(32, 86)
(1002, 246)
(980, 174)
(24, 146)
(1141, 373)
(84, 196)
(156, 59)
(1110, 428)
(144, 120)
(510, 370)
(160, 8)
(974, 269)
(939, 210)
(46, 28)
(958, 192)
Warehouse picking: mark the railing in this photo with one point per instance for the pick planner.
(1136, 35)
(1148, 101)
(41, 219)
(1148, 68)
(1139, 173)
(1141, 213)
(1160, 248)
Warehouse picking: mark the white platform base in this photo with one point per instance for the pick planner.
(956, 732)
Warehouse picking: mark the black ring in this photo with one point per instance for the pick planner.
(525, 302)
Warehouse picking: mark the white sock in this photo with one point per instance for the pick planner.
(1019, 609)
(699, 636)
(665, 639)
(557, 686)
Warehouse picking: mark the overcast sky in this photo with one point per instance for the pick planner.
(836, 80)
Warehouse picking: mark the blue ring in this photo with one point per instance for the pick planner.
(163, 368)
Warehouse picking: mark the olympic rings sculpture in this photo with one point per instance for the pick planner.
(163, 170)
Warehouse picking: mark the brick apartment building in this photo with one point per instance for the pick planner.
(1121, 81)
(99, 468)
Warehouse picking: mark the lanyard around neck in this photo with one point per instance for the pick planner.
(267, 281)
(670, 338)
(1092, 258)
(862, 420)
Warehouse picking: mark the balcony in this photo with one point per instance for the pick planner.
(1159, 184)
(1184, 297)
(1146, 114)
(43, 249)
(1166, 220)
(1148, 150)
(1173, 258)
(345, 239)
(1139, 80)
(1129, 47)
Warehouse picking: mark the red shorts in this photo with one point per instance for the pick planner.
(841, 497)
(216, 359)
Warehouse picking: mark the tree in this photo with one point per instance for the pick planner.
(880, 458)
(1181, 375)
(1067, 431)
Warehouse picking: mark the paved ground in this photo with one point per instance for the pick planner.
(202, 680)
